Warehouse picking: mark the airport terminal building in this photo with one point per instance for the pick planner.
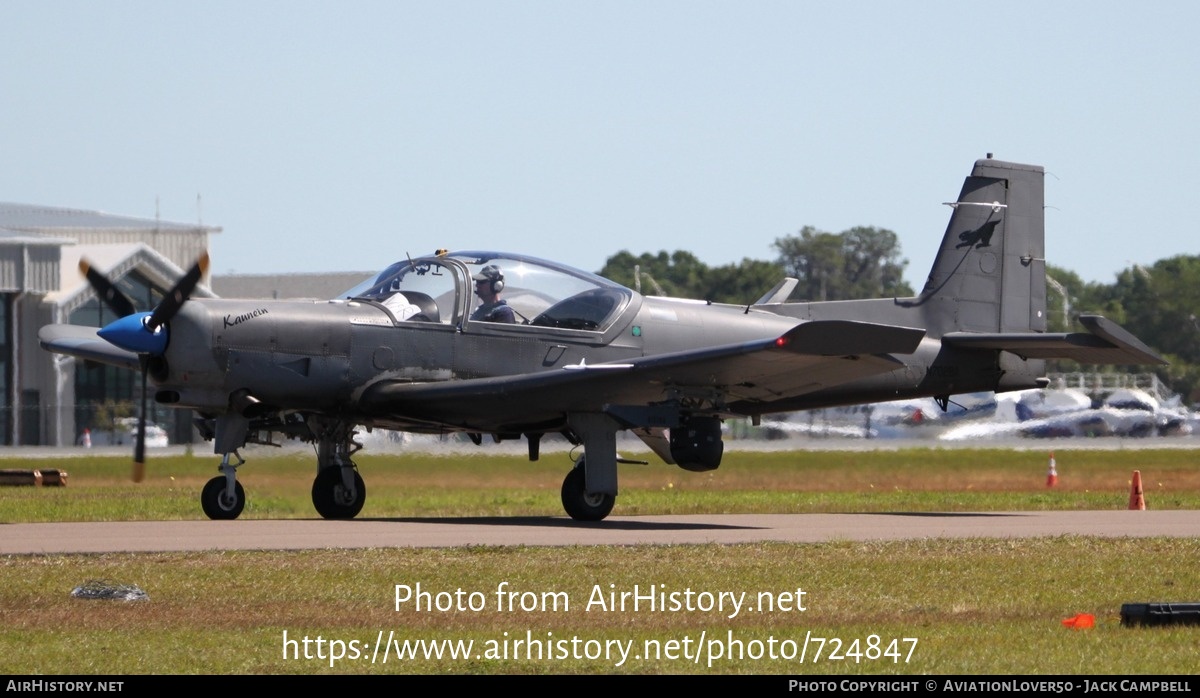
(47, 399)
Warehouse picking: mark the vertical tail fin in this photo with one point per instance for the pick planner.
(990, 272)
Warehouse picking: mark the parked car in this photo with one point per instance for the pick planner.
(126, 434)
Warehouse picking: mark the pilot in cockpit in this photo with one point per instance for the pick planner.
(489, 282)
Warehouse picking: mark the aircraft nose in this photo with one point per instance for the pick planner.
(130, 333)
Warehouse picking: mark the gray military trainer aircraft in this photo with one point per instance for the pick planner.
(554, 350)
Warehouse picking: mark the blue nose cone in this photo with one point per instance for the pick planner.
(130, 333)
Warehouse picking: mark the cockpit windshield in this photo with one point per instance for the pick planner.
(420, 289)
(471, 286)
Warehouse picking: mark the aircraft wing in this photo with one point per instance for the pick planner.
(84, 343)
(812, 356)
(1105, 342)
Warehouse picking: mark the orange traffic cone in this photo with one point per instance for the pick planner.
(1137, 502)
(1080, 621)
(1052, 476)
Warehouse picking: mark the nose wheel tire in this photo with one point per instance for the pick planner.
(331, 498)
(217, 503)
(579, 503)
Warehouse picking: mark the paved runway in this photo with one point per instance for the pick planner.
(157, 536)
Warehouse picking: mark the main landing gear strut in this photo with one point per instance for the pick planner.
(338, 492)
(590, 489)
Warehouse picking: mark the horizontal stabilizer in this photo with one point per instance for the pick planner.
(1105, 342)
(84, 343)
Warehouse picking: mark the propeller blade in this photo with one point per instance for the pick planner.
(176, 297)
(139, 446)
(108, 293)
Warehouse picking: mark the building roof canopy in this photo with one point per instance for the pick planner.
(29, 218)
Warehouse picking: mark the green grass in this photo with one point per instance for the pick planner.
(973, 606)
(482, 484)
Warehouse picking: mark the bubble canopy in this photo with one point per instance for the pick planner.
(542, 293)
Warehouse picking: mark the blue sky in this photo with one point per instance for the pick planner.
(342, 135)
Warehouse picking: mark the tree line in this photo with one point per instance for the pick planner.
(1159, 304)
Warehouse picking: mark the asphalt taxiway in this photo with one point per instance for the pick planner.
(292, 534)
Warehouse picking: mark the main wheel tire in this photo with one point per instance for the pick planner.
(331, 498)
(579, 504)
(216, 502)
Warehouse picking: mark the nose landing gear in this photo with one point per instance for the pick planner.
(223, 497)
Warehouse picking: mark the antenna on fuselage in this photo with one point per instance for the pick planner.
(637, 281)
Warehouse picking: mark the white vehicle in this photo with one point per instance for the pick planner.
(126, 434)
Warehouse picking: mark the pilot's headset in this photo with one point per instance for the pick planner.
(493, 274)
